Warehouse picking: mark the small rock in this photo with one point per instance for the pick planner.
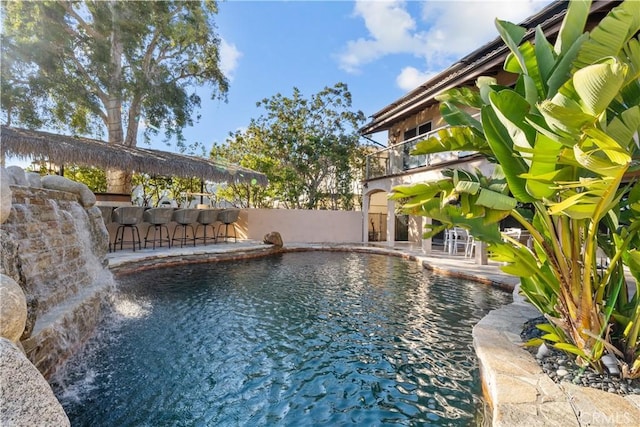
(543, 351)
(562, 373)
(273, 238)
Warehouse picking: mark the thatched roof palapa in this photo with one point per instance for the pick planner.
(63, 149)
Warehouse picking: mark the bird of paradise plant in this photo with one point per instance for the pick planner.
(564, 140)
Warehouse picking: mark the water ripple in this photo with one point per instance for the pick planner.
(299, 339)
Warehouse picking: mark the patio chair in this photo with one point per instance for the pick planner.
(158, 218)
(228, 217)
(128, 217)
(456, 239)
(185, 218)
(470, 247)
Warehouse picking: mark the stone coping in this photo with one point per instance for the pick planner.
(521, 394)
(518, 391)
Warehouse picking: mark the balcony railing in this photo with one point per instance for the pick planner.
(397, 159)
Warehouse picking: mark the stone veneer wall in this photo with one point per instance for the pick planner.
(55, 249)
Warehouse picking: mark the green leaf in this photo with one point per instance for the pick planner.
(572, 25)
(543, 169)
(545, 57)
(610, 36)
(512, 35)
(546, 327)
(497, 201)
(502, 147)
(551, 337)
(598, 84)
(570, 348)
(564, 64)
(622, 128)
(564, 120)
(457, 138)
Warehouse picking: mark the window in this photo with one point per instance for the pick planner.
(408, 161)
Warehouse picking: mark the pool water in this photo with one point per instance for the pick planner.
(314, 338)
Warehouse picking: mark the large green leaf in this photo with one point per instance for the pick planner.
(572, 25)
(502, 147)
(563, 120)
(461, 96)
(454, 116)
(528, 55)
(609, 37)
(545, 57)
(543, 169)
(609, 147)
(512, 35)
(494, 200)
(511, 108)
(456, 138)
(622, 128)
(598, 84)
(564, 64)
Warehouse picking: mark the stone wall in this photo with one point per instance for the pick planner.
(26, 397)
(49, 259)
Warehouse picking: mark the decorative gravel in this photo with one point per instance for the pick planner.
(561, 366)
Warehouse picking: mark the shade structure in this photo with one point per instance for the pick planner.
(63, 149)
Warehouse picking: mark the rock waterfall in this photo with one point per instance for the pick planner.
(54, 245)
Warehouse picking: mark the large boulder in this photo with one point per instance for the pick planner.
(33, 179)
(5, 195)
(26, 397)
(17, 176)
(13, 309)
(60, 183)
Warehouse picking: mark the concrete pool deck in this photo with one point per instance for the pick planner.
(519, 392)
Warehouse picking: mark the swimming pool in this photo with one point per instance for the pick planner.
(313, 338)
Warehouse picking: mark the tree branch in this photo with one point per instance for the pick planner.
(68, 7)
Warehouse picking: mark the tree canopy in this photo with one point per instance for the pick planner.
(92, 66)
(307, 147)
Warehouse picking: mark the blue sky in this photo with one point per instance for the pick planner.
(380, 49)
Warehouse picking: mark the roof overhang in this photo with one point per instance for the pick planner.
(63, 149)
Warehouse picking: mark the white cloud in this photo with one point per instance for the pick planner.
(410, 78)
(441, 33)
(391, 30)
(229, 57)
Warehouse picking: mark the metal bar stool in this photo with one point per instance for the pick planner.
(127, 217)
(158, 218)
(228, 217)
(185, 218)
(207, 218)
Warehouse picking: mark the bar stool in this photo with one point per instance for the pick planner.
(127, 217)
(228, 217)
(185, 218)
(158, 218)
(207, 218)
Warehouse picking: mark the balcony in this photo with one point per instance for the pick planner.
(396, 160)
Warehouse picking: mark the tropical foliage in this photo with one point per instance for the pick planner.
(564, 139)
(307, 147)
